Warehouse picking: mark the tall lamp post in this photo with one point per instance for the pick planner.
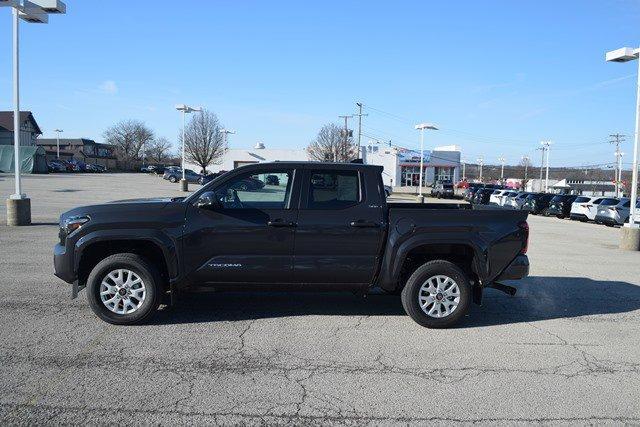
(58, 131)
(184, 185)
(630, 237)
(36, 11)
(226, 133)
(421, 127)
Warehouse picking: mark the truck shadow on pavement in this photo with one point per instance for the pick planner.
(538, 298)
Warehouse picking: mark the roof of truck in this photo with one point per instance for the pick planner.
(312, 165)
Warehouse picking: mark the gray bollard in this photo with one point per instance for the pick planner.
(184, 185)
(630, 238)
(18, 212)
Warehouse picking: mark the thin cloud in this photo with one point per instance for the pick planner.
(109, 87)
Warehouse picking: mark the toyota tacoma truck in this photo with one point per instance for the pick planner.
(318, 226)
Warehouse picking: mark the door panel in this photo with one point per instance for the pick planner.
(247, 236)
(338, 233)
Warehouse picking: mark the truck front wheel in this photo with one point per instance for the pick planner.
(437, 294)
(124, 289)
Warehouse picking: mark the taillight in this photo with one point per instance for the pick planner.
(524, 226)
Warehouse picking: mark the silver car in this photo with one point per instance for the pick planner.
(617, 214)
(517, 201)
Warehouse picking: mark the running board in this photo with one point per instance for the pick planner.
(504, 288)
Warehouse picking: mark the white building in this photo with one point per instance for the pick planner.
(402, 166)
(236, 157)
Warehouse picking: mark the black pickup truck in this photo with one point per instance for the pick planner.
(319, 226)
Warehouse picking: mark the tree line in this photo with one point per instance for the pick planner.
(136, 143)
(205, 143)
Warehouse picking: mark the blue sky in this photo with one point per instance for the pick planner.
(496, 76)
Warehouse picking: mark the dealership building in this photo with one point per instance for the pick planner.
(401, 167)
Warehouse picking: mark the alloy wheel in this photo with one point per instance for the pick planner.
(122, 291)
(439, 296)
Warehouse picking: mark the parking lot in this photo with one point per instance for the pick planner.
(564, 349)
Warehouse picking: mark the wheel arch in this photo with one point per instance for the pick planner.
(156, 249)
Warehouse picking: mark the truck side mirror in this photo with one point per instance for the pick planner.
(208, 200)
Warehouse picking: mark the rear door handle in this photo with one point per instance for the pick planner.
(363, 224)
(280, 223)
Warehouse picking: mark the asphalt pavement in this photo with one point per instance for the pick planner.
(564, 350)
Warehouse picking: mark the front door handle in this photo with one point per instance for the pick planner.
(280, 223)
(364, 224)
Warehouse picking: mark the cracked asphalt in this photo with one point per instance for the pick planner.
(564, 350)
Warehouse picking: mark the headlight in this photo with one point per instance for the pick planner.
(73, 223)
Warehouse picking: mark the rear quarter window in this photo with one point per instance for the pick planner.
(609, 202)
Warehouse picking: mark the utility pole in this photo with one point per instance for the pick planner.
(346, 135)
(546, 145)
(617, 139)
(501, 159)
(360, 115)
(480, 164)
(464, 169)
(541, 168)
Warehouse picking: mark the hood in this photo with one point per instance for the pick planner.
(124, 209)
(148, 200)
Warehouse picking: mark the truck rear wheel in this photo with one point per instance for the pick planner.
(437, 295)
(124, 289)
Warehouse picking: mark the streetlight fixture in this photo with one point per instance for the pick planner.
(225, 133)
(36, 11)
(58, 131)
(630, 238)
(184, 185)
(421, 127)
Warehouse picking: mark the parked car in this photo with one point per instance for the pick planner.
(471, 190)
(205, 179)
(89, 167)
(131, 255)
(442, 190)
(157, 169)
(579, 208)
(272, 180)
(603, 208)
(56, 166)
(560, 205)
(497, 197)
(537, 204)
(482, 196)
(77, 165)
(511, 198)
(585, 208)
(175, 175)
(616, 214)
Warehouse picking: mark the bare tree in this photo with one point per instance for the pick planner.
(159, 150)
(331, 145)
(525, 166)
(205, 143)
(128, 137)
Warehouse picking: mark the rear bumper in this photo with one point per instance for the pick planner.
(579, 216)
(606, 220)
(518, 269)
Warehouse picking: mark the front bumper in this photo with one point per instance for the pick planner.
(63, 264)
(555, 210)
(518, 269)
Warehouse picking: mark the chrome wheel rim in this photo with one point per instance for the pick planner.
(439, 296)
(122, 291)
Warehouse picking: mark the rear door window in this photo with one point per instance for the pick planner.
(333, 189)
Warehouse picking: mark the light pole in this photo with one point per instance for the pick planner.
(464, 169)
(525, 160)
(501, 159)
(480, 163)
(421, 127)
(631, 231)
(184, 185)
(545, 149)
(58, 131)
(36, 11)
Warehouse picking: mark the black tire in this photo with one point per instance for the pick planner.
(410, 293)
(147, 272)
(173, 179)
